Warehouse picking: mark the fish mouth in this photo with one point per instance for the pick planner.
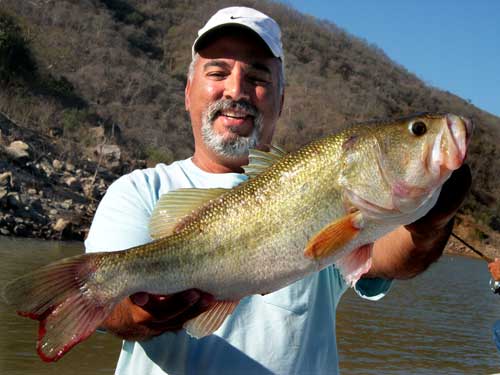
(457, 126)
(450, 146)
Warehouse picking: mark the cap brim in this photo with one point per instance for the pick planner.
(202, 40)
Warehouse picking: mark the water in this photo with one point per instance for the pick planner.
(437, 323)
(18, 356)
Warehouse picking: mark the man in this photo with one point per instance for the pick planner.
(234, 96)
(494, 268)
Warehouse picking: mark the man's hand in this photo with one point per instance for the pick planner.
(441, 216)
(494, 268)
(409, 250)
(142, 315)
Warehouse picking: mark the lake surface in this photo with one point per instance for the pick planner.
(437, 323)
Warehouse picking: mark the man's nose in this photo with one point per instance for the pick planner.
(235, 86)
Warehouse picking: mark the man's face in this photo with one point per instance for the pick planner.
(233, 97)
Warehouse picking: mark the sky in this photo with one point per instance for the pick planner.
(450, 45)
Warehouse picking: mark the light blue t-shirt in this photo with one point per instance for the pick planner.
(291, 331)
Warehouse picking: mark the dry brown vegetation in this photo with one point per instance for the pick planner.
(121, 65)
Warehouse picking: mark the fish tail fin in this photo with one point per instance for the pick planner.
(353, 265)
(60, 298)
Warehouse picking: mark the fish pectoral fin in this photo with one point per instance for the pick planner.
(335, 235)
(209, 321)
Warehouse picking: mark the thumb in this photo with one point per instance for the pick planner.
(140, 299)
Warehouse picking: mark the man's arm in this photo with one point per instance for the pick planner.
(409, 250)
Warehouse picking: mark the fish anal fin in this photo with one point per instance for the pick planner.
(209, 321)
(335, 235)
(175, 205)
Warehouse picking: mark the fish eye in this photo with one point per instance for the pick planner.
(418, 128)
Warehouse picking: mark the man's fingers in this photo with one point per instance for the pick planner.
(450, 199)
(455, 190)
(140, 299)
(175, 323)
(167, 307)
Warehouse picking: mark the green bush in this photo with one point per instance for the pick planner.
(156, 155)
(16, 59)
(124, 12)
(72, 119)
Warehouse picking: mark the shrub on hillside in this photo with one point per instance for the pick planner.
(16, 59)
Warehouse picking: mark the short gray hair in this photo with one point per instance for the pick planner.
(281, 76)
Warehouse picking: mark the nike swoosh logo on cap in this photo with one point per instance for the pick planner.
(234, 18)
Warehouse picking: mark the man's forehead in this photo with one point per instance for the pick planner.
(207, 64)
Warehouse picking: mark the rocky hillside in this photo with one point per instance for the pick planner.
(42, 196)
(93, 87)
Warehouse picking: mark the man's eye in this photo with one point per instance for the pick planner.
(216, 74)
(259, 80)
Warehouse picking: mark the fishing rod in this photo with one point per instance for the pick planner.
(486, 258)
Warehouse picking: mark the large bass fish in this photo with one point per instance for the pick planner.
(298, 213)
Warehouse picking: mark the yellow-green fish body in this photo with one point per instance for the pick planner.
(298, 213)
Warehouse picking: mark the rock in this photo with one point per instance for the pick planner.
(21, 230)
(57, 164)
(14, 200)
(32, 192)
(53, 212)
(64, 230)
(36, 204)
(18, 150)
(6, 184)
(110, 155)
(67, 204)
(73, 182)
(70, 167)
(97, 133)
(45, 167)
(6, 180)
(4, 231)
(61, 224)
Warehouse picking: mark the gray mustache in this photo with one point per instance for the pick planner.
(224, 104)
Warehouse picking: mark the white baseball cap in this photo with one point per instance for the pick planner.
(263, 25)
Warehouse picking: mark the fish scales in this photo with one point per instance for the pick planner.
(239, 240)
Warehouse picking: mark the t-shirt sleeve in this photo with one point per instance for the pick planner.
(121, 220)
(372, 288)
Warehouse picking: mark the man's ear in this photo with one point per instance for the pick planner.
(282, 101)
(187, 90)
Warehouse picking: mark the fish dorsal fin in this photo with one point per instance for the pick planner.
(209, 321)
(258, 161)
(177, 204)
